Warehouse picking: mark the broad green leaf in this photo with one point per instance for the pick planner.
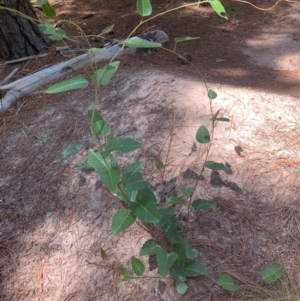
(167, 218)
(298, 169)
(104, 75)
(159, 165)
(53, 33)
(42, 2)
(150, 247)
(137, 42)
(82, 165)
(177, 273)
(226, 282)
(144, 7)
(125, 274)
(123, 145)
(108, 29)
(222, 119)
(137, 266)
(67, 151)
(186, 190)
(94, 50)
(148, 193)
(145, 209)
(103, 254)
(202, 205)
(181, 287)
(134, 181)
(183, 39)
(214, 165)
(48, 10)
(134, 167)
(271, 273)
(77, 82)
(173, 235)
(212, 94)
(121, 221)
(98, 124)
(176, 200)
(202, 135)
(194, 268)
(165, 261)
(218, 8)
(107, 168)
(185, 251)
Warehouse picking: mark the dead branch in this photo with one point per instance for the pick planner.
(46, 76)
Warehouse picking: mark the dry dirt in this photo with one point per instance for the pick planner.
(54, 219)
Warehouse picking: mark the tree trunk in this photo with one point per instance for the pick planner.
(20, 37)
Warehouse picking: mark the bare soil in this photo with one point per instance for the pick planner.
(54, 218)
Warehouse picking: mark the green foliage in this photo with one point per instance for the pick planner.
(137, 266)
(175, 256)
(271, 273)
(77, 82)
(144, 7)
(122, 220)
(202, 135)
(227, 283)
(202, 205)
(67, 151)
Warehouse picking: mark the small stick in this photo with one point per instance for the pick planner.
(26, 58)
(9, 76)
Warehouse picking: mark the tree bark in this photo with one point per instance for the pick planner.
(20, 37)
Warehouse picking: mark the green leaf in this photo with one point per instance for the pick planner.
(176, 200)
(214, 165)
(186, 190)
(227, 282)
(103, 254)
(159, 165)
(137, 42)
(177, 274)
(185, 251)
(222, 119)
(298, 169)
(173, 235)
(183, 39)
(145, 209)
(77, 82)
(218, 8)
(202, 205)
(108, 29)
(144, 7)
(181, 287)
(126, 275)
(271, 273)
(121, 221)
(215, 116)
(48, 10)
(194, 268)
(98, 124)
(56, 34)
(165, 261)
(67, 151)
(137, 266)
(104, 75)
(93, 50)
(202, 135)
(150, 247)
(42, 2)
(82, 165)
(107, 168)
(123, 145)
(134, 181)
(212, 94)
(134, 167)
